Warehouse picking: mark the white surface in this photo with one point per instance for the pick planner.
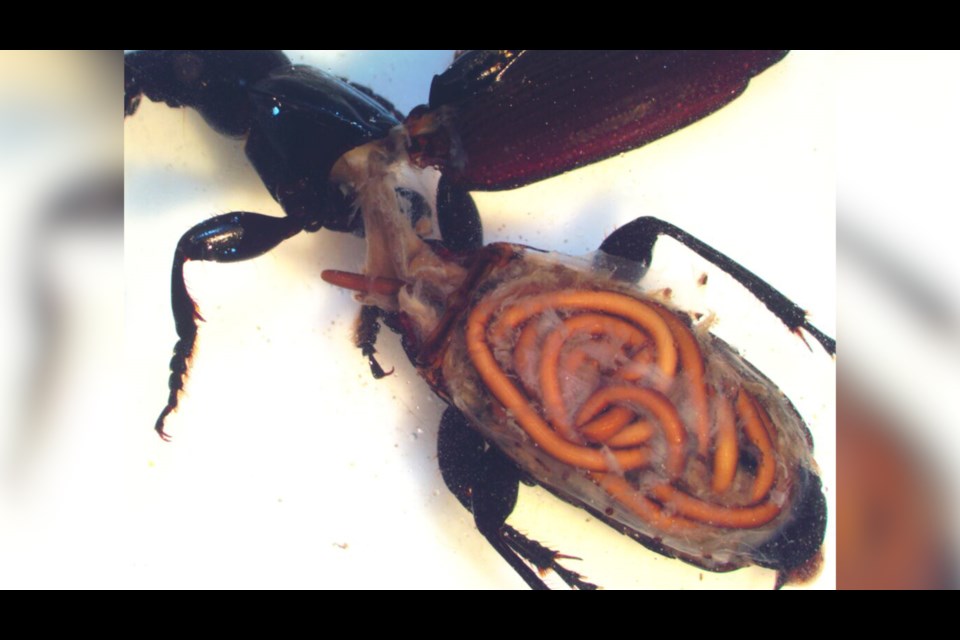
(291, 467)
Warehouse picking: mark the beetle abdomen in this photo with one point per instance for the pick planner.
(612, 401)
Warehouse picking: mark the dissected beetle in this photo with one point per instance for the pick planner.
(552, 539)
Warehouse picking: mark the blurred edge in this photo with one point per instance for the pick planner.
(898, 273)
(61, 439)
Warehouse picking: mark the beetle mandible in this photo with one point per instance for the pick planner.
(234, 422)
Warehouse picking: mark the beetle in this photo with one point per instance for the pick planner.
(329, 256)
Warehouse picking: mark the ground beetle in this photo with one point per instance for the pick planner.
(300, 381)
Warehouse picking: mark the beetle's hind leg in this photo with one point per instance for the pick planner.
(486, 482)
(231, 237)
(634, 241)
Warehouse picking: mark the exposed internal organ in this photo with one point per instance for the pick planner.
(618, 387)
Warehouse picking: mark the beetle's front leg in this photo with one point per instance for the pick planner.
(368, 328)
(634, 241)
(226, 238)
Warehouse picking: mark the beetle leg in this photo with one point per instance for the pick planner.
(545, 558)
(486, 483)
(634, 241)
(368, 327)
(231, 237)
(458, 218)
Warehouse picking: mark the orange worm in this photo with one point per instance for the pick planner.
(716, 515)
(626, 494)
(658, 405)
(687, 509)
(632, 435)
(613, 303)
(757, 434)
(526, 415)
(606, 426)
(523, 353)
(725, 454)
(607, 416)
(591, 323)
(692, 364)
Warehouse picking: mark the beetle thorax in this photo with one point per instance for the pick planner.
(396, 247)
